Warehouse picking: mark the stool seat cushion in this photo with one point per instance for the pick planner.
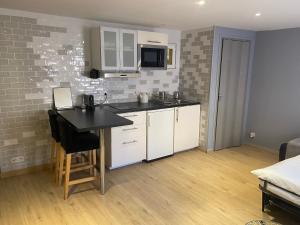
(54, 125)
(84, 141)
(73, 141)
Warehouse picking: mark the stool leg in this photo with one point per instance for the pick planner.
(56, 174)
(53, 147)
(90, 162)
(94, 161)
(61, 164)
(67, 176)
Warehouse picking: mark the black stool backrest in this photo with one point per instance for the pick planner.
(54, 125)
(66, 134)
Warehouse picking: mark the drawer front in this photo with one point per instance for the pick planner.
(128, 152)
(128, 133)
(136, 117)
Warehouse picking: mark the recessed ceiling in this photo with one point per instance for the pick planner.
(179, 14)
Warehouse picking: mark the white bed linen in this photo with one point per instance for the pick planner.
(285, 174)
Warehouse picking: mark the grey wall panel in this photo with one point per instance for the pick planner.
(274, 110)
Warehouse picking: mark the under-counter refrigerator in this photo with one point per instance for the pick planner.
(160, 133)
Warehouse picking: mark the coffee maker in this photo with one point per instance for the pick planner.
(88, 101)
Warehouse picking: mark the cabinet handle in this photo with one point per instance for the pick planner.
(177, 115)
(154, 41)
(123, 75)
(130, 116)
(130, 129)
(129, 142)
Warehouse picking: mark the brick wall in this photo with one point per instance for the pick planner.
(39, 52)
(195, 72)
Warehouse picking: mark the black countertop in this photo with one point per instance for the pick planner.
(151, 105)
(86, 120)
(105, 116)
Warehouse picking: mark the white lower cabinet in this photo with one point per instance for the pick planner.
(127, 144)
(153, 134)
(186, 128)
(160, 133)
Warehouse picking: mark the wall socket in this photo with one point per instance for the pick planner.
(17, 159)
(252, 135)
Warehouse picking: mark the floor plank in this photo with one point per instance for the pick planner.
(190, 188)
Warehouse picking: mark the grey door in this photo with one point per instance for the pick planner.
(232, 91)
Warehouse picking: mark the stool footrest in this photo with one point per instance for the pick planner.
(82, 180)
(81, 168)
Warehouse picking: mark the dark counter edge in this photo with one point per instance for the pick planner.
(124, 121)
(148, 107)
(142, 107)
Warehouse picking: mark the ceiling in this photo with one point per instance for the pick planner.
(179, 14)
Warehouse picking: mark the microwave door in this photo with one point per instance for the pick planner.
(152, 57)
(159, 59)
(149, 58)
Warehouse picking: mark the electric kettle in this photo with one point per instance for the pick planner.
(144, 98)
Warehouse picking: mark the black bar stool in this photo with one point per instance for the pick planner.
(55, 142)
(73, 142)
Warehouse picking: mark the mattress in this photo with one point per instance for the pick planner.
(289, 196)
(284, 174)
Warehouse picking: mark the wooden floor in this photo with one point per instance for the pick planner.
(189, 188)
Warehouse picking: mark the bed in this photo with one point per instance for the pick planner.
(280, 183)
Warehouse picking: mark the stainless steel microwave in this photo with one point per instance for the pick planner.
(152, 57)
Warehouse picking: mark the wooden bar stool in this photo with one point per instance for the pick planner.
(73, 142)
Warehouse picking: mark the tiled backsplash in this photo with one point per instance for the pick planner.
(39, 52)
(195, 72)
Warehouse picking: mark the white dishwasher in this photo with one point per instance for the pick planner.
(160, 133)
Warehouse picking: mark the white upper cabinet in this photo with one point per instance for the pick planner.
(110, 49)
(114, 49)
(187, 127)
(152, 38)
(128, 50)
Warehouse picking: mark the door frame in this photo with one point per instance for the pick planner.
(221, 33)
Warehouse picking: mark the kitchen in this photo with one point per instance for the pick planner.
(166, 124)
(59, 52)
(158, 128)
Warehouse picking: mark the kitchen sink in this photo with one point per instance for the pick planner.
(173, 102)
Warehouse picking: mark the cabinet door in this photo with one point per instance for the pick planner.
(187, 128)
(128, 50)
(160, 133)
(110, 48)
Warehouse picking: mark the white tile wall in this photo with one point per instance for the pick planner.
(39, 52)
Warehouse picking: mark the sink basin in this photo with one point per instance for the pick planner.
(174, 102)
